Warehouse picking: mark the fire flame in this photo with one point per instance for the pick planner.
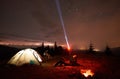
(87, 72)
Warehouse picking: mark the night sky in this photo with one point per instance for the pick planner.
(96, 21)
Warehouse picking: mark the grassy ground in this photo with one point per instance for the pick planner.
(104, 67)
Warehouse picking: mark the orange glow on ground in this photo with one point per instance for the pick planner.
(87, 72)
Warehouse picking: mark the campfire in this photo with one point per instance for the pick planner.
(86, 72)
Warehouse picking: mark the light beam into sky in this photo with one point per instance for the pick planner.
(62, 23)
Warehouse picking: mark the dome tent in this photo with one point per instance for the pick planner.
(26, 56)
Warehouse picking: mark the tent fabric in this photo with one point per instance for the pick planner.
(26, 56)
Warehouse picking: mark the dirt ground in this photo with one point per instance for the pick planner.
(103, 67)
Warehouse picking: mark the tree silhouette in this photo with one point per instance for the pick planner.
(55, 45)
(91, 48)
(41, 48)
(108, 50)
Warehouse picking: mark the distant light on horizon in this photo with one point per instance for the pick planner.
(96, 49)
(28, 44)
(82, 48)
(24, 43)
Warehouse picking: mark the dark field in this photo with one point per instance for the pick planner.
(104, 67)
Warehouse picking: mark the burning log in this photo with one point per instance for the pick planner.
(87, 73)
(82, 74)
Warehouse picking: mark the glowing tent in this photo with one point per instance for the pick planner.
(26, 56)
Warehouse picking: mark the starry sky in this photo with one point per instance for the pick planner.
(95, 21)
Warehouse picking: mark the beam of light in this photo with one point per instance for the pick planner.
(62, 23)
